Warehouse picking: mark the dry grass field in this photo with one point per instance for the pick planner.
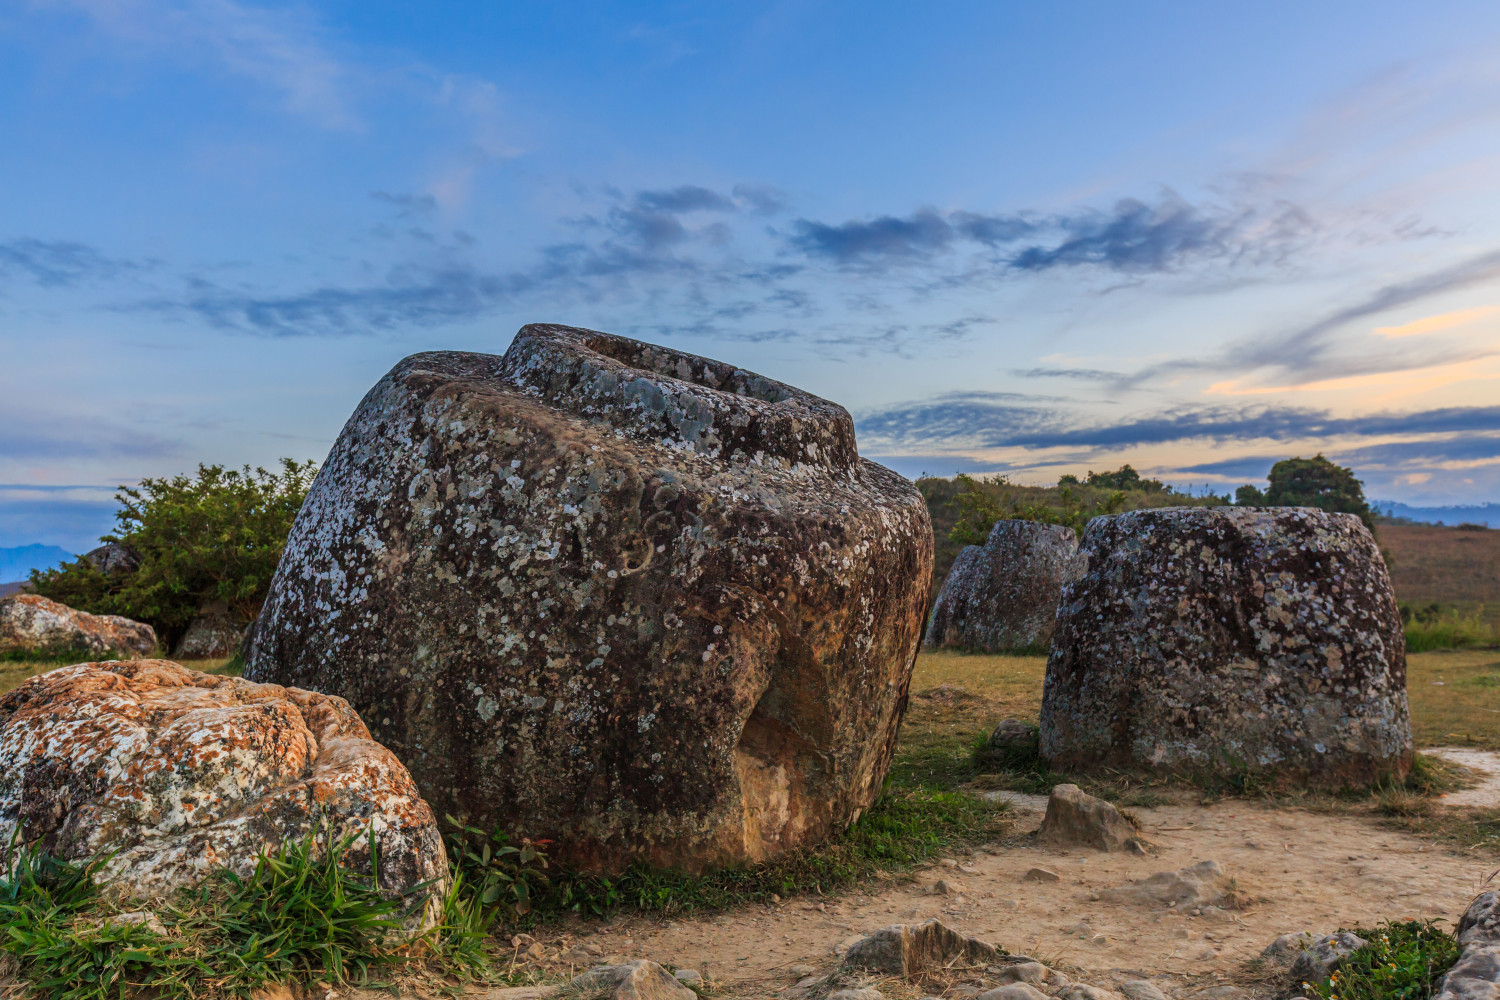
(1429, 562)
(1455, 694)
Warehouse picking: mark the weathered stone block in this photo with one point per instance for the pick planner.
(1230, 640)
(643, 604)
(1002, 596)
(174, 773)
(1076, 818)
(32, 623)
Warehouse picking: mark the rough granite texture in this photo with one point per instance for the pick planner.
(1232, 641)
(179, 772)
(643, 604)
(31, 623)
(1002, 596)
(211, 635)
(1476, 974)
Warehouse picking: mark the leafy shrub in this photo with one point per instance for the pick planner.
(210, 538)
(1402, 961)
(1310, 482)
(501, 878)
(981, 507)
(1434, 627)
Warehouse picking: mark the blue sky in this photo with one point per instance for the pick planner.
(1030, 239)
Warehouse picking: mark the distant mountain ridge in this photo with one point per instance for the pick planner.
(1484, 513)
(17, 563)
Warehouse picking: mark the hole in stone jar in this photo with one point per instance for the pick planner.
(688, 368)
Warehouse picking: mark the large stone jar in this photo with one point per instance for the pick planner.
(643, 604)
(1002, 596)
(1239, 642)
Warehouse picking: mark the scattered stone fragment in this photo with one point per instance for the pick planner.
(32, 623)
(800, 971)
(1003, 595)
(175, 773)
(1141, 989)
(1013, 991)
(1200, 883)
(863, 993)
(1076, 818)
(948, 887)
(1041, 875)
(904, 949)
(1285, 949)
(1476, 974)
(648, 605)
(688, 976)
(1020, 972)
(1078, 991)
(1319, 959)
(1230, 639)
(638, 980)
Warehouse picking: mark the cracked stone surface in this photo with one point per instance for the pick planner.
(644, 604)
(179, 772)
(1230, 640)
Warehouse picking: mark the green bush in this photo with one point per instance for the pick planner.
(1402, 961)
(211, 538)
(1435, 627)
(1310, 482)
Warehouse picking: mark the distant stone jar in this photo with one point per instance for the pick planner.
(643, 604)
(1002, 596)
(1234, 641)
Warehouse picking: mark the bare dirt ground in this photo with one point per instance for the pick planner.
(1300, 870)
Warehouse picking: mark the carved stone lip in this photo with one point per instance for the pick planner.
(680, 399)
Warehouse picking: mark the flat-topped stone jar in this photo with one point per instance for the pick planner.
(1262, 642)
(643, 604)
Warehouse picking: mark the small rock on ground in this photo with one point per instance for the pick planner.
(1320, 959)
(1141, 989)
(1197, 885)
(1013, 991)
(904, 949)
(638, 980)
(863, 993)
(1041, 875)
(1076, 818)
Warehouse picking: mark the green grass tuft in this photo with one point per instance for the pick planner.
(302, 914)
(1402, 961)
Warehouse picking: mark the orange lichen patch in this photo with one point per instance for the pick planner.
(178, 771)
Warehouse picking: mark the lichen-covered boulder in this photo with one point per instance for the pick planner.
(1002, 596)
(32, 623)
(643, 604)
(210, 636)
(1233, 641)
(113, 559)
(179, 772)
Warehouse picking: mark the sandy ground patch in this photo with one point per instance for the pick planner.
(1302, 870)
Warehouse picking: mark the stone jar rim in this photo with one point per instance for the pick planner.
(682, 400)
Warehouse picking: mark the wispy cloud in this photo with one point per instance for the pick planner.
(57, 263)
(991, 420)
(1312, 352)
(280, 49)
(1132, 237)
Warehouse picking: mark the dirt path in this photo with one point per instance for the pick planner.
(1303, 871)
